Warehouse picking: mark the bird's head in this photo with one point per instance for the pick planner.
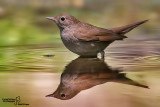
(64, 92)
(64, 20)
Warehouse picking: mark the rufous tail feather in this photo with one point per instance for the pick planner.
(125, 29)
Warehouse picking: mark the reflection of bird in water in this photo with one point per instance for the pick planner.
(84, 73)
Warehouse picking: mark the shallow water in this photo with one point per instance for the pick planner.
(129, 76)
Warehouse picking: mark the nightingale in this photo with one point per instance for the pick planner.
(84, 73)
(88, 40)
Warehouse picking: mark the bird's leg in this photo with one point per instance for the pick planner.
(102, 54)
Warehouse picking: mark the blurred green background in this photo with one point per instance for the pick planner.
(22, 22)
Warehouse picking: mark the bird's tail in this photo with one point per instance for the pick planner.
(124, 29)
(124, 80)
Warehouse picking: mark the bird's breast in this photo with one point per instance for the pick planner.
(84, 48)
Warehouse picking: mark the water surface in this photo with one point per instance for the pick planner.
(129, 76)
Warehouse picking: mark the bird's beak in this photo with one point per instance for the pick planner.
(50, 18)
(50, 95)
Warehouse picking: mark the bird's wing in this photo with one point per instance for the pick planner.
(87, 32)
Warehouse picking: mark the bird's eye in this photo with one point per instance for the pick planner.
(62, 18)
(63, 95)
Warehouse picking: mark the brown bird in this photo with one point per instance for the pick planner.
(87, 40)
(85, 73)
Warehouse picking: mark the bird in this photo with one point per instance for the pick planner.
(84, 73)
(88, 40)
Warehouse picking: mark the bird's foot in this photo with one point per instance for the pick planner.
(102, 54)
